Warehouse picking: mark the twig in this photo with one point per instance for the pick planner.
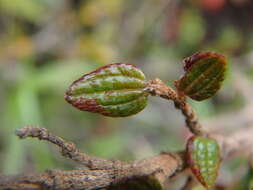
(68, 149)
(157, 88)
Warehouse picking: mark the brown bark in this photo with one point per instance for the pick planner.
(100, 173)
(149, 173)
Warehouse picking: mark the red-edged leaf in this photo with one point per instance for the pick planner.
(115, 90)
(204, 73)
(203, 156)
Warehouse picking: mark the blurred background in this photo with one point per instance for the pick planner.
(45, 45)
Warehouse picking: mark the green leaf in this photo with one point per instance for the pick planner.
(204, 73)
(115, 90)
(203, 156)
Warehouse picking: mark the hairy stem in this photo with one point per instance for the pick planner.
(157, 88)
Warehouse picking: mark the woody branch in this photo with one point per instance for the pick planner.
(160, 167)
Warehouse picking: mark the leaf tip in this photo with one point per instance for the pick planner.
(191, 60)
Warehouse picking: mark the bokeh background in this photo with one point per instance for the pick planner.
(46, 44)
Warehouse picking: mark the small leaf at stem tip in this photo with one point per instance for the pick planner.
(203, 157)
(204, 74)
(115, 90)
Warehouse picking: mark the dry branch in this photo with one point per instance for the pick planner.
(101, 172)
(68, 149)
(155, 170)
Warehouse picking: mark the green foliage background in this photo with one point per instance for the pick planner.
(45, 45)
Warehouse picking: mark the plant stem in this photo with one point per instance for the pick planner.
(158, 88)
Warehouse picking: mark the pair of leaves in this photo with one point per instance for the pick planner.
(117, 90)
